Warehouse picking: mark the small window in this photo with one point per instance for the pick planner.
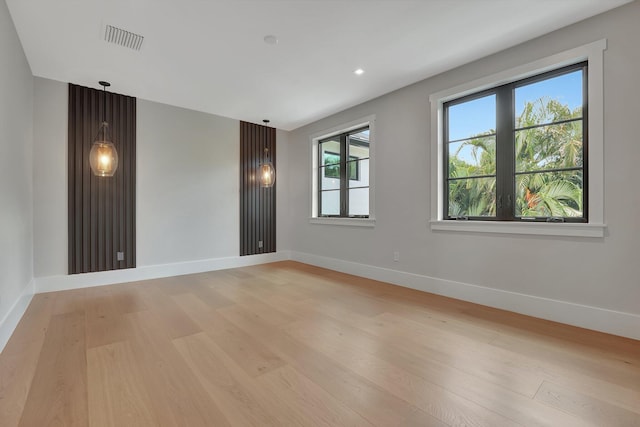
(343, 174)
(517, 152)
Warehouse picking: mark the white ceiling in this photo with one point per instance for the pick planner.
(209, 55)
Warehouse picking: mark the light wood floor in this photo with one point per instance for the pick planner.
(287, 344)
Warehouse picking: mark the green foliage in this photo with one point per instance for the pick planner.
(541, 190)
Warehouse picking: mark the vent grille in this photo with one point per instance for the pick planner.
(123, 37)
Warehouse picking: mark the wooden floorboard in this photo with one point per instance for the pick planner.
(114, 367)
(288, 344)
(58, 392)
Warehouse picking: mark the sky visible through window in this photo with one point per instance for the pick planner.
(479, 116)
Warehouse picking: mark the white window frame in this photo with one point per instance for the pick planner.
(594, 54)
(314, 140)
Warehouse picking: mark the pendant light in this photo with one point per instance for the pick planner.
(267, 171)
(103, 156)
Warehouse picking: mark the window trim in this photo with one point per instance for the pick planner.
(595, 227)
(314, 140)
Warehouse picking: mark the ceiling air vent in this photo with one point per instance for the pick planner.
(123, 37)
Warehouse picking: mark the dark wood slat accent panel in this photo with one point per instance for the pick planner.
(257, 204)
(102, 210)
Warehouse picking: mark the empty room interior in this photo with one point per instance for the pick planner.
(319, 213)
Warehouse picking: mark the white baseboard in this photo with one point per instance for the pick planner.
(10, 321)
(595, 318)
(77, 281)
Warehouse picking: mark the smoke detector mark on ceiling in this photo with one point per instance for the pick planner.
(123, 37)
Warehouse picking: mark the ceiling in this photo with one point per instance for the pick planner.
(210, 55)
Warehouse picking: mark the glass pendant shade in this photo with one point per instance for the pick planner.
(103, 156)
(267, 175)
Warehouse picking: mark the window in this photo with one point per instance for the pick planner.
(516, 152)
(522, 151)
(342, 190)
(343, 174)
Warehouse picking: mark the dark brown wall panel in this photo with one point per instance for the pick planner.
(257, 204)
(102, 210)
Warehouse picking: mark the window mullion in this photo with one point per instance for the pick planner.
(319, 180)
(505, 153)
(585, 139)
(343, 176)
(445, 204)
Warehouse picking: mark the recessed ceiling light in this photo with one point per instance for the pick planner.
(270, 39)
(359, 72)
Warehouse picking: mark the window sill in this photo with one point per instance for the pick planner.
(354, 222)
(530, 228)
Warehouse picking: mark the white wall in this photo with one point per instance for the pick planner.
(50, 251)
(16, 185)
(188, 184)
(187, 201)
(283, 214)
(565, 273)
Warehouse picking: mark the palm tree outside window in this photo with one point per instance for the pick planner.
(518, 152)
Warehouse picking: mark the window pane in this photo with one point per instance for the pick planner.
(330, 152)
(330, 177)
(330, 203)
(472, 157)
(330, 159)
(471, 118)
(472, 197)
(358, 173)
(549, 147)
(359, 145)
(555, 99)
(359, 201)
(362, 136)
(549, 194)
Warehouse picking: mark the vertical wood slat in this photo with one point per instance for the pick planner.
(101, 210)
(257, 204)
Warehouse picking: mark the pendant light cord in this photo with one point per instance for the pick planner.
(104, 85)
(104, 104)
(266, 150)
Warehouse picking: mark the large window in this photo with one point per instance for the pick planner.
(517, 152)
(343, 174)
